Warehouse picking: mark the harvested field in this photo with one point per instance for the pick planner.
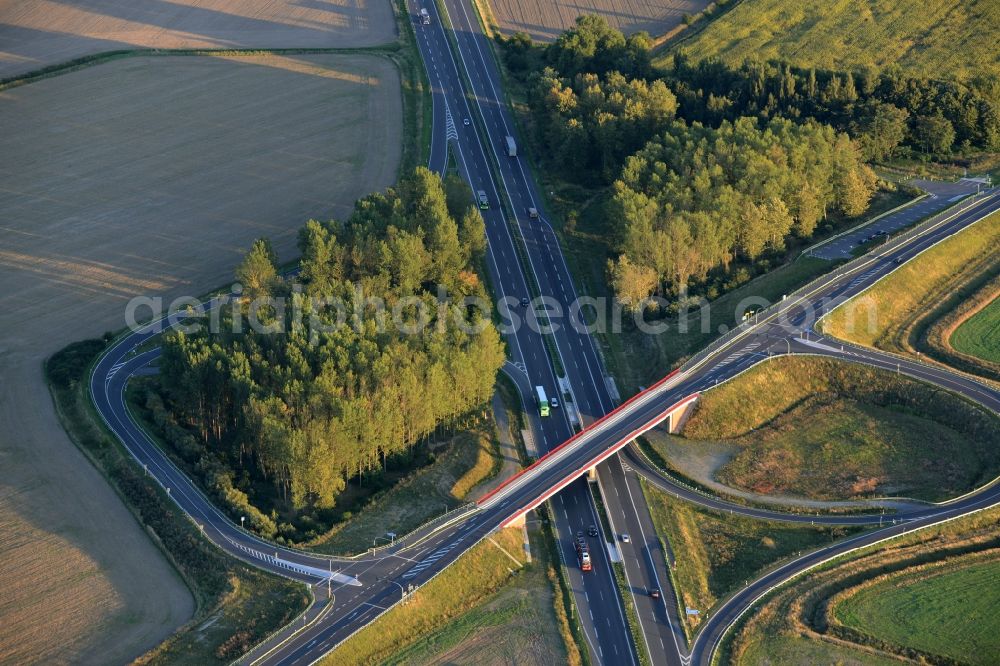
(143, 176)
(544, 20)
(38, 33)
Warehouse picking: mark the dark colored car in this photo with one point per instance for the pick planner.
(592, 530)
(654, 593)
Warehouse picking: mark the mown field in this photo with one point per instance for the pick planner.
(544, 20)
(951, 613)
(979, 336)
(37, 33)
(144, 176)
(946, 39)
(828, 430)
(717, 553)
(489, 607)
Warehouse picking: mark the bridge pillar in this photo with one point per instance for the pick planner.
(678, 417)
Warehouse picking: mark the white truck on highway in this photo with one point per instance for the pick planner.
(425, 17)
(511, 147)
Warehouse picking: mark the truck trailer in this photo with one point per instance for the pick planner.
(511, 147)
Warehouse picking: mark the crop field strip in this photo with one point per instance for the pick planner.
(948, 40)
(39, 33)
(544, 19)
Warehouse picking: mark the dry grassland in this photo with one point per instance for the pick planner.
(37, 33)
(545, 19)
(143, 176)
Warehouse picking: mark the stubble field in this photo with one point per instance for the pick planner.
(145, 175)
(544, 19)
(38, 33)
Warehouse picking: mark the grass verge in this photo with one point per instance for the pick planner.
(947, 610)
(237, 605)
(793, 624)
(638, 638)
(716, 554)
(483, 609)
(898, 313)
(836, 430)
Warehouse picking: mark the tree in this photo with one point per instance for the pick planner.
(854, 190)
(807, 211)
(632, 284)
(447, 254)
(934, 134)
(257, 271)
(517, 51)
(472, 233)
(882, 130)
(591, 45)
(321, 262)
(458, 195)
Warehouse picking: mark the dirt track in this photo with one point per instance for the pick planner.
(545, 19)
(145, 175)
(36, 33)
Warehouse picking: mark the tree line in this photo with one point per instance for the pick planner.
(887, 112)
(302, 409)
(592, 74)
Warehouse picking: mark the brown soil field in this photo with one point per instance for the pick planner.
(545, 19)
(146, 175)
(37, 33)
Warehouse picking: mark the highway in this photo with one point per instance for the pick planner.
(364, 587)
(585, 383)
(596, 595)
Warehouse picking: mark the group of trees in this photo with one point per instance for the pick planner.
(591, 124)
(883, 110)
(697, 197)
(333, 387)
(712, 165)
